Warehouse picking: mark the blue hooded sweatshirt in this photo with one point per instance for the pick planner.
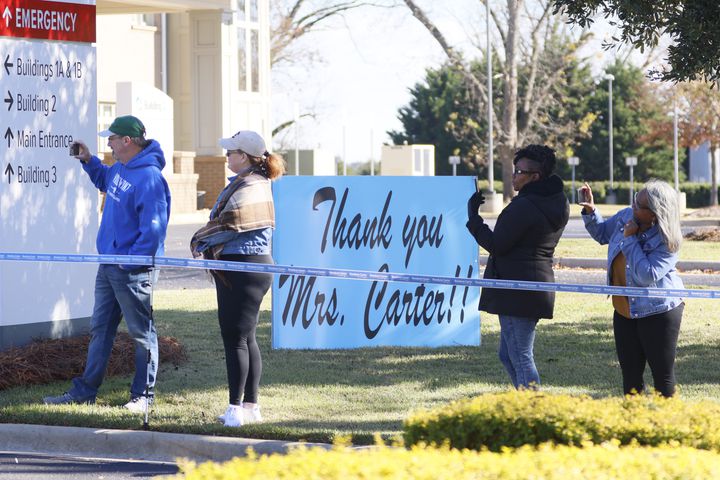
(137, 204)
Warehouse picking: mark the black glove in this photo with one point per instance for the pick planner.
(474, 203)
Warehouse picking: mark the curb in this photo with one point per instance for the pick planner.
(134, 445)
(601, 263)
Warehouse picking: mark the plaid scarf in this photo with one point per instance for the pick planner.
(245, 205)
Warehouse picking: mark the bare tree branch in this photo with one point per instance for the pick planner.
(454, 57)
(291, 23)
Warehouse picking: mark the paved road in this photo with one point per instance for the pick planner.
(23, 466)
(177, 244)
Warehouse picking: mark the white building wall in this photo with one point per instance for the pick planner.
(700, 163)
(412, 160)
(125, 52)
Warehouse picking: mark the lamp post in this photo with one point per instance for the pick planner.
(573, 161)
(491, 171)
(344, 150)
(631, 162)
(297, 138)
(611, 194)
(675, 145)
(372, 162)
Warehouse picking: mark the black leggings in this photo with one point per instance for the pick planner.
(238, 308)
(652, 339)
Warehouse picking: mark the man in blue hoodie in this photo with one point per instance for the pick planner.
(134, 222)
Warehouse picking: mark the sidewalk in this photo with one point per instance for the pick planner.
(199, 217)
(132, 444)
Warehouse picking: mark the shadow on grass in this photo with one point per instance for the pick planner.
(567, 354)
(697, 364)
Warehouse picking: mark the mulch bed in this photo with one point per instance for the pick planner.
(44, 361)
(709, 234)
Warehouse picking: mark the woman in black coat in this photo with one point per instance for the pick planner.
(521, 248)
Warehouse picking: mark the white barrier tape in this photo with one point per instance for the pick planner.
(142, 260)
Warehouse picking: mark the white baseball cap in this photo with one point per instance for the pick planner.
(247, 141)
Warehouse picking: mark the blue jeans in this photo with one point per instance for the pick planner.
(120, 293)
(517, 335)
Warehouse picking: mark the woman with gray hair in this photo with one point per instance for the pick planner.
(643, 244)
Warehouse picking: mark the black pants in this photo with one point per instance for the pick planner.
(238, 308)
(650, 339)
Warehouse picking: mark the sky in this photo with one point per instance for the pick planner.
(370, 60)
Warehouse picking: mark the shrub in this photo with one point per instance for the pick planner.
(514, 419)
(607, 461)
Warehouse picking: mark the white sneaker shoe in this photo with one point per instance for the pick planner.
(138, 404)
(233, 416)
(252, 414)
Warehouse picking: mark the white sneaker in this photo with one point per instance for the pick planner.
(138, 404)
(233, 416)
(252, 414)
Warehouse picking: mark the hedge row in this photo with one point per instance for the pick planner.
(514, 419)
(697, 195)
(551, 462)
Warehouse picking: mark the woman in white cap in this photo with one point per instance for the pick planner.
(240, 229)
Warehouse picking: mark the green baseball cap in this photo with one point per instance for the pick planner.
(125, 126)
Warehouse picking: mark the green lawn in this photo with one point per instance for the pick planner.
(316, 395)
(589, 248)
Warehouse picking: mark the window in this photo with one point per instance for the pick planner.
(240, 10)
(417, 161)
(255, 60)
(248, 34)
(242, 59)
(105, 116)
(426, 161)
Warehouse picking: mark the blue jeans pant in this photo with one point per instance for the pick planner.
(517, 335)
(120, 293)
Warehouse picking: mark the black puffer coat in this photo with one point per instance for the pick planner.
(521, 248)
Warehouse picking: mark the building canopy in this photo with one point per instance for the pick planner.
(161, 6)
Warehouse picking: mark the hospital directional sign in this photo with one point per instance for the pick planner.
(47, 85)
(48, 99)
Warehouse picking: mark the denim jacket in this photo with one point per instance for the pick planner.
(649, 264)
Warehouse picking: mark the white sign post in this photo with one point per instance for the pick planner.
(631, 162)
(47, 203)
(573, 162)
(454, 160)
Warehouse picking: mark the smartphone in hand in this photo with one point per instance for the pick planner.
(583, 195)
(74, 149)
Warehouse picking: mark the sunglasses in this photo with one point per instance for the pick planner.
(519, 171)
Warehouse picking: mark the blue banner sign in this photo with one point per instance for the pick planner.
(406, 225)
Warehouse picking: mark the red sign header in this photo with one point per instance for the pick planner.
(70, 22)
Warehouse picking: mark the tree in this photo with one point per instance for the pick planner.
(699, 122)
(520, 116)
(638, 117)
(691, 25)
(293, 19)
(442, 112)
